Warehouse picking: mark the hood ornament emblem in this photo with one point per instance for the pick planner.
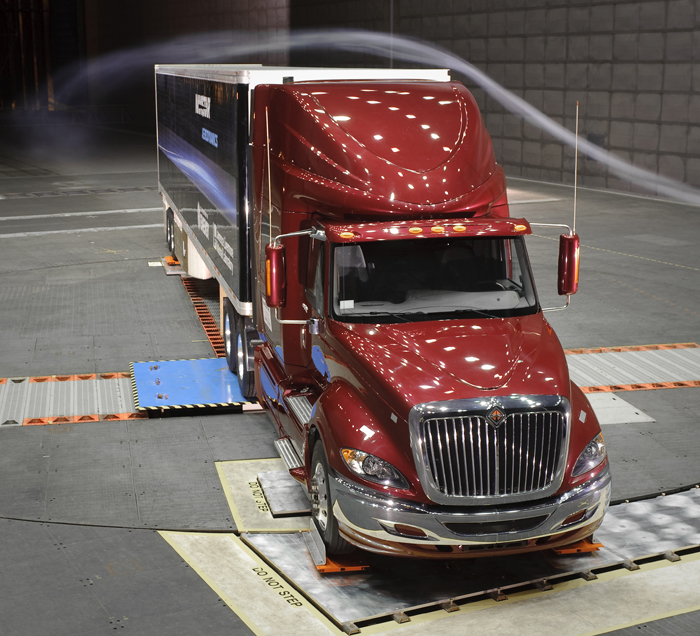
(496, 416)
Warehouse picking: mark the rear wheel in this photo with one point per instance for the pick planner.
(322, 504)
(239, 339)
(170, 231)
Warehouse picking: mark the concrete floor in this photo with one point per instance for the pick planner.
(81, 504)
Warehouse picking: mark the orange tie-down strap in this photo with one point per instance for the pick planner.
(579, 547)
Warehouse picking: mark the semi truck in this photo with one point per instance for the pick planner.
(378, 301)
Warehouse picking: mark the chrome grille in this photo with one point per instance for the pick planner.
(468, 457)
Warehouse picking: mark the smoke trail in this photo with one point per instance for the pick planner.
(231, 46)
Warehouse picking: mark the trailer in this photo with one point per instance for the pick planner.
(378, 301)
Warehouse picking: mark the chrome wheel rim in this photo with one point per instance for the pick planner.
(241, 359)
(319, 497)
(227, 334)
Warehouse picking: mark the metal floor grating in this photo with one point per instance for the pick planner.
(205, 298)
(643, 369)
(33, 400)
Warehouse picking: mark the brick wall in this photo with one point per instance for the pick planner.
(633, 66)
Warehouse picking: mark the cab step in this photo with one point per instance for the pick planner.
(288, 453)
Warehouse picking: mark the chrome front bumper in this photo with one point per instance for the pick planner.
(367, 512)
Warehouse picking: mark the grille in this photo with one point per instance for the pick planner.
(467, 457)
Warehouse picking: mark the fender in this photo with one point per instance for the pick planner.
(354, 425)
(584, 427)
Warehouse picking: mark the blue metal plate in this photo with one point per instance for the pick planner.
(184, 384)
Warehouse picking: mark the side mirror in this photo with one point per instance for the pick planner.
(275, 275)
(569, 250)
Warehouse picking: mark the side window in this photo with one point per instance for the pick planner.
(315, 278)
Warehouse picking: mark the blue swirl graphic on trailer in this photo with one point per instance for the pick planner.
(212, 180)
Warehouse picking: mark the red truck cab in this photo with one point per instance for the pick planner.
(399, 344)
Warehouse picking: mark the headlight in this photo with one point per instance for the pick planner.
(592, 455)
(373, 468)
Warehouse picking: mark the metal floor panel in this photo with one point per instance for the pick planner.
(13, 397)
(612, 409)
(185, 384)
(393, 585)
(21, 399)
(389, 588)
(655, 526)
(284, 494)
(213, 306)
(635, 367)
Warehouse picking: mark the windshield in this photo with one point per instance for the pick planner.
(419, 279)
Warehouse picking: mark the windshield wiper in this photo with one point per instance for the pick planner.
(387, 313)
(481, 312)
(439, 310)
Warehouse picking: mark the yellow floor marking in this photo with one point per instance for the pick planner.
(171, 539)
(273, 607)
(687, 610)
(246, 500)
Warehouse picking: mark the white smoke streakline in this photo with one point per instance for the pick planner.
(231, 46)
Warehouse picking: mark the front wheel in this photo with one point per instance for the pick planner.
(322, 504)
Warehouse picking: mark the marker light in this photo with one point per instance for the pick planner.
(460, 228)
(520, 228)
(437, 229)
(347, 235)
(415, 230)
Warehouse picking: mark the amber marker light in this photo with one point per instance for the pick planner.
(520, 228)
(415, 230)
(347, 235)
(437, 229)
(460, 228)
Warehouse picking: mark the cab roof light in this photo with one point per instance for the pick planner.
(437, 229)
(460, 228)
(415, 230)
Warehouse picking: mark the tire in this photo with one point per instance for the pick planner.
(239, 340)
(322, 504)
(170, 232)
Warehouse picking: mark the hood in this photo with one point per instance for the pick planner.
(445, 360)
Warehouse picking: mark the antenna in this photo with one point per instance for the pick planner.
(269, 177)
(576, 167)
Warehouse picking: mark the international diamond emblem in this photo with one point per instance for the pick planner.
(495, 416)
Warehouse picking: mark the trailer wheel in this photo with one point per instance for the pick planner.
(245, 369)
(229, 326)
(322, 504)
(238, 340)
(170, 231)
